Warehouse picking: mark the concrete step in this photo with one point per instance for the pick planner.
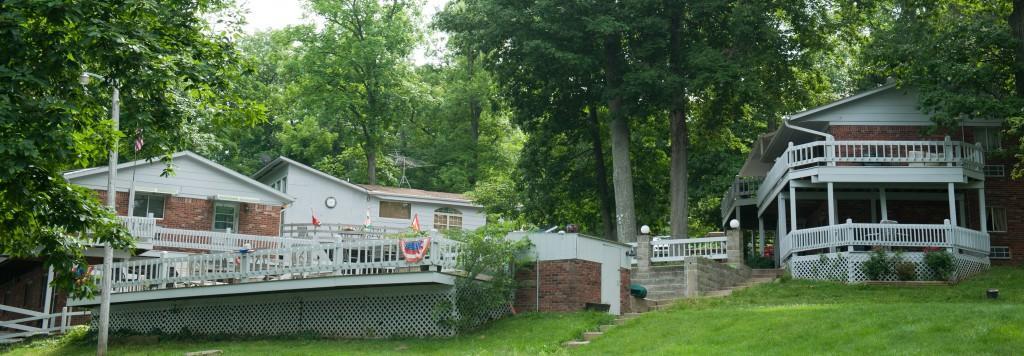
(574, 344)
(717, 293)
(656, 281)
(590, 335)
(666, 294)
(605, 328)
(665, 287)
(766, 272)
(650, 275)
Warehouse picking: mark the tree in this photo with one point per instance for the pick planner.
(168, 64)
(354, 68)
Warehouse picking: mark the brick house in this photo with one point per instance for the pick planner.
(194, 210)
(873, 170)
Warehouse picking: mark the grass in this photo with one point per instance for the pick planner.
(795, 317)
(524, 334)
(802, 317)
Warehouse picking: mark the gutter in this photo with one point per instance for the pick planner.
(828, 137)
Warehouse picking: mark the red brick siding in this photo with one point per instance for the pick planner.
(23, 285)
(624, 297)
(197, 214)
(893, 133)
(259, 219)
(565, 285)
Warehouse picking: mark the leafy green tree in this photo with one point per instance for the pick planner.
(168, 63)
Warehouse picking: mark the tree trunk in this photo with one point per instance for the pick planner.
(1017, 31)
(601, 174)
(679, 215)
(622, 172)
(371, 165)
(475, 110)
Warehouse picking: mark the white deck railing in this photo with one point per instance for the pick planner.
(872, 153)
(741, 188)
(333, 259)
(902, 235)
(331, 231)
(146, 230)
(672, 250)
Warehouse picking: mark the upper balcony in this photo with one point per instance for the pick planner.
(874, 162)
(149, 235)
(743, 191)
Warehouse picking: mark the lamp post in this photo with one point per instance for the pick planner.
(108, 251)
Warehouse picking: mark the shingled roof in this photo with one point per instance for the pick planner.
(384, 190)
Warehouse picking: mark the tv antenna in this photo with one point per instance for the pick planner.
(406, 162)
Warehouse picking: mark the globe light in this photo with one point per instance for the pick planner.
(735, 224)
(646, 230)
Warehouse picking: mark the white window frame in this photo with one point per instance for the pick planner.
(163, 209)
(994, 170)
(996, 219)
(446, 214)
(281, 185)
(1008, 254)
(234, 224)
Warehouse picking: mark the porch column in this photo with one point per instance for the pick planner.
(982, 211)
(884, 202)
(831, 204)
(760, 233)
(782, 231)
(792, 207)
(952, 204)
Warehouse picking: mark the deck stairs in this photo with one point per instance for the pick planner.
(665, 286)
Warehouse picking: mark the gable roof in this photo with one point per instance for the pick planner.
(380, 190)
(285, 160)
(370, 189)
(189, 154)
(840, 102)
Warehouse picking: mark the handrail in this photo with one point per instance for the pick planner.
(667, 249)
(945, 153)
(741, 188)
(332, 259)
(146, 230)
(903, 235)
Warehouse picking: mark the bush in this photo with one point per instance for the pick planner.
(760, 262)
(940, 261)
(905, 270)
(878, 265)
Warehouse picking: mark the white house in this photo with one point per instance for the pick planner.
(337, 202)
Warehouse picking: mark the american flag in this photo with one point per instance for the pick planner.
(138, 140)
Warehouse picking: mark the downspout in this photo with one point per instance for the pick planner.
(828, 137)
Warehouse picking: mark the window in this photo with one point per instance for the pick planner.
(995, 170)
(1000, 252)
(395, 210)
(990, 138)
(447, 218)
(146, 204)
(225, 216)
(996, 219)
(281, 185)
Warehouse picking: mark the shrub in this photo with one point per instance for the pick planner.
(905, 270)
(940, 262)
(754, 261)
(878, 265)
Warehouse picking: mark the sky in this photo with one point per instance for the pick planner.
(275, 14)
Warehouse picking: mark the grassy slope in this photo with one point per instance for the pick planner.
(526, 334)
(800, 317)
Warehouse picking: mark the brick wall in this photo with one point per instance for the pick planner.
(259, 219)
(197, 214)
(23, 285)
(624, 296)
(895, 133)
(565, 285)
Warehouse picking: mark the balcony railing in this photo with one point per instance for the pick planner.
(145, 230)
(308, 261)
(673, 250)
(872, 153)
(330, 232)
(741, 188)
(889, 235)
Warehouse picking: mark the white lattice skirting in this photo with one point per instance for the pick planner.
(400, 311)
(844, 266)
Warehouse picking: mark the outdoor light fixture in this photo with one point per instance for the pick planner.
(646, 230)
(735, 224)
(83, 79)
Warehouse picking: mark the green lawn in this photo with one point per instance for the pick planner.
(795, 317)
(801, 317)
(525, 334)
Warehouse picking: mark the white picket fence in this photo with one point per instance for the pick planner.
(666, 249)
(304, 261)
(50, 322)
(902, 235)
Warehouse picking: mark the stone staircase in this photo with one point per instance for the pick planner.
(665, 286)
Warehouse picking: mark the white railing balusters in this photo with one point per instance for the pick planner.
(904, 235)
(667, 250)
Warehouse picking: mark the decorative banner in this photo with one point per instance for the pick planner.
(414, 250)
